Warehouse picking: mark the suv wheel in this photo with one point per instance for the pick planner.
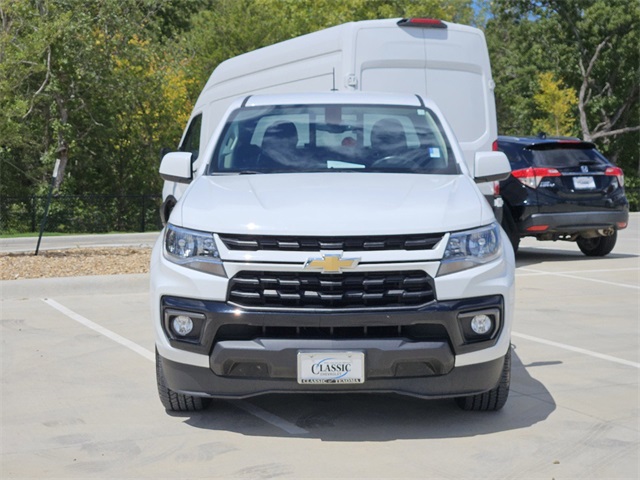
(597, 246)
(174, 401)
(495, 398)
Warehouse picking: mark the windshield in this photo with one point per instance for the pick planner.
(321, 138)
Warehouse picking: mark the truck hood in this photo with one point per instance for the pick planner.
(327, 204)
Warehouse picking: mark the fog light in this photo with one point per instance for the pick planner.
(182, 325)
(481, 324)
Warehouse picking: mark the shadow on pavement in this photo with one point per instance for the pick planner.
(382, 417)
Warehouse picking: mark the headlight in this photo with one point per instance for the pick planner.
(192, 249)
(471, 248)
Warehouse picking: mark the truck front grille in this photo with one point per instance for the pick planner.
(331, 291)
(346, 244)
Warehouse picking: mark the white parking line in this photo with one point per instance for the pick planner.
(246, 406)
(576, 277)
(101, 330)
(600, 270)
(571, 348)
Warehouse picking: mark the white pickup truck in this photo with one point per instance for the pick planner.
(333, 242)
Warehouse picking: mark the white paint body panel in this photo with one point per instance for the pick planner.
(347, 203)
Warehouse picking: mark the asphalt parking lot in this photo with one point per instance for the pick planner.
(79, 395)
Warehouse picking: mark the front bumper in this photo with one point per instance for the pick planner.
(413, 352)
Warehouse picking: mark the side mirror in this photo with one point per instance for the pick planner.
(176, 167)
(491, 167)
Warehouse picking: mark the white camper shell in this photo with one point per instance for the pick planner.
(445, 62)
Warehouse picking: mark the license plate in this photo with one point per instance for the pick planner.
(584, 183)
(330, 367)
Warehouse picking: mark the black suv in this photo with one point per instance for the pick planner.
(562, 189)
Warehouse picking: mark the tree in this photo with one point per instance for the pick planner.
(555, 103)
(87, 82)
(517, 57)
(606, 35)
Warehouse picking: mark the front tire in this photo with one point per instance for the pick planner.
(494, 399)
(174, 401)
(597, 246)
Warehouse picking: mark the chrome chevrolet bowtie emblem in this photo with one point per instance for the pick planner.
(331, 263)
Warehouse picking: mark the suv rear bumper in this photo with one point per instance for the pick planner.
(573, 222)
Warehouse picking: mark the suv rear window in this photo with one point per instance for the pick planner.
(552, 155)
(559, 155)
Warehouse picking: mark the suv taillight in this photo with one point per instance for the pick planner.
(615, 172)
(531, 177)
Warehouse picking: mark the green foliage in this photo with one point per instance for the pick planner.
(632, 191)
(85, 82)
(554, 102)
(81, 214)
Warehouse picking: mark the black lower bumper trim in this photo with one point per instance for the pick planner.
(277, 358)
(460, 381)
(574, 222)
(437, 321)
